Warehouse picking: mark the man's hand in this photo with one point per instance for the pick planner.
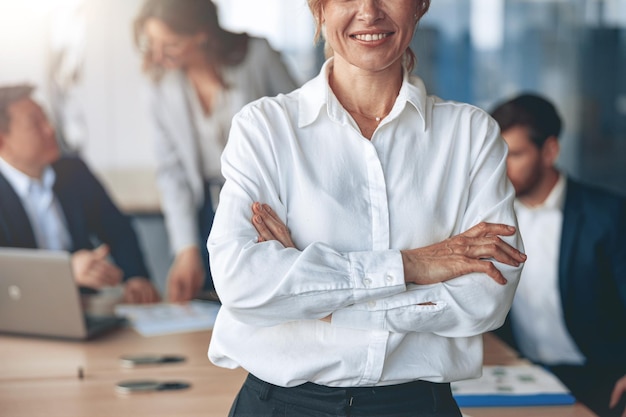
(468, 252)
(139, 290)
(186, 276)
(618, 391)
(269, 226)
(92, 269)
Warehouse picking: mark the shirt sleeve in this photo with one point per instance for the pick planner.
(468, 305)
(177, 201)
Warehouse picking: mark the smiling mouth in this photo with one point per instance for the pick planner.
(370, 37)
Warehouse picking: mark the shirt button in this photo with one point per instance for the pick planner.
(367, 282)
(389, 279)
(371, 304)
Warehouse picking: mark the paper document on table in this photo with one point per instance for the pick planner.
(512, 386)
(165, 318)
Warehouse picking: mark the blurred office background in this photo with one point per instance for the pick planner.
(81, 55)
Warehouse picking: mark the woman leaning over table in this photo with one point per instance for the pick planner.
(391, 246)
(202, 76)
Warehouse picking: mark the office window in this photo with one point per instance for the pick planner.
(287, 24)
(573, 52)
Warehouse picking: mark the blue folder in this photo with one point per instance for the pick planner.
(513, 400)
(512, 386)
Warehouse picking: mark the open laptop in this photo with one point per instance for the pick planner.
(38, 297)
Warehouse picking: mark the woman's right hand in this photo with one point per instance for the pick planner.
(469, 252)
(186, 276)
(269, 226)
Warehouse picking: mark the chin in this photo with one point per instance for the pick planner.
(521, 192)
(53, 156)
(172, 64)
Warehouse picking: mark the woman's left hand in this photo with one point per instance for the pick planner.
(270, 226)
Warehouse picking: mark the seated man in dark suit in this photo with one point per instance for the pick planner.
(569, 311)
(52, 202)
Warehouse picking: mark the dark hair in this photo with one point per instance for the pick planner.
(316, 7)
(188, 17)
(9, 95)
(532, 111)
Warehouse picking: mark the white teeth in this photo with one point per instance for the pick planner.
(371, 37)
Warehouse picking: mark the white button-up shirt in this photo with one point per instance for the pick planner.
(432, 169)
(537, 318)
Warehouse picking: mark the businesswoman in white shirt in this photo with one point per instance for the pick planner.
(202, 75)
(393, 246)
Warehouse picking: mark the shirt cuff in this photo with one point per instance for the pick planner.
(371, 274)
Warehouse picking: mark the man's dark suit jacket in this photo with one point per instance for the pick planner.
(92, 217)
(592, 275)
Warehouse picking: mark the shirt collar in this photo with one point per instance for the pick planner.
(22, 183)
(556, 198)
(317, 94)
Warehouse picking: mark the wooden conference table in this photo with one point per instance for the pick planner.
(42, 377)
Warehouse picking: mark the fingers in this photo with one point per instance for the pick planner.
(92, 268)
(618, 391)
(104, 273)
(473, 251)
(139, 290)
(485, 243)
(155, 297)
(489, 229)
(174, 285)
(101, 270)
(183, 288)
(176, 291)
(186, 276)
(267, 209)
(489, 247)
(264, 233)
(269, 226)
(489, 269)
(198, 283)
(179, 289)
(482, 244)
(101, 251)
(187, 293)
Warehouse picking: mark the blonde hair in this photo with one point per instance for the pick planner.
(317, 6)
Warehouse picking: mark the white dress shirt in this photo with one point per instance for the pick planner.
(41, 206)
(432, 169)
(537, 318)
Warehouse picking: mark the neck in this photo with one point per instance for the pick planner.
(365, 94)
(201, 70)
(33, 172)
